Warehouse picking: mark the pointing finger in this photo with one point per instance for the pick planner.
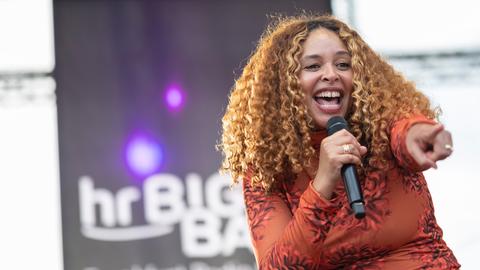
(434, 131)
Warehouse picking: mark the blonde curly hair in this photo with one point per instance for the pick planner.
(266, 127)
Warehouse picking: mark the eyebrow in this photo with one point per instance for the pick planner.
(316, 56)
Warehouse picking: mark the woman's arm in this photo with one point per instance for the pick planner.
(281, 238)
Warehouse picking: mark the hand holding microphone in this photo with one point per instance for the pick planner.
(339, 153)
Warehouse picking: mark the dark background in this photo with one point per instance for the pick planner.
(113, 61)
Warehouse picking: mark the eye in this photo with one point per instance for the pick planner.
(343, 65)
(312, 67)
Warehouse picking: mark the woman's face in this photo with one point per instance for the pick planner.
(326, 76)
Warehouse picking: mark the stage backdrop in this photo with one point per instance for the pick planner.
(141, 88)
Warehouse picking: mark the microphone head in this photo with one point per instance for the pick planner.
(336, 123)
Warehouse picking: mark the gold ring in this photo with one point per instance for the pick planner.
(448, 147)
(347, 148)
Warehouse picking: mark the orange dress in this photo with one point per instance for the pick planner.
(294, 227)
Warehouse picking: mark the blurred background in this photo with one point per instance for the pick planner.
(110, 112)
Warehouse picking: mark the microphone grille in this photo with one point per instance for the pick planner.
(336, 123)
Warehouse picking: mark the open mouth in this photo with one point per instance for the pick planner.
(329, 100)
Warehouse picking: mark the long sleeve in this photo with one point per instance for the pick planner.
(398, 140)
(294, 227)
(281, 238)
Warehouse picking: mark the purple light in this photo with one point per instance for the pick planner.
(144, 156)
(175, 98)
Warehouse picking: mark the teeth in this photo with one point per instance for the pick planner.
(329, 94)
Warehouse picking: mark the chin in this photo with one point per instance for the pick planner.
(321, 123)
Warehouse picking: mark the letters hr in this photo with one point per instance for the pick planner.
(167, 201)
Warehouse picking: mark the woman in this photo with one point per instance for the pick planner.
(304, 71)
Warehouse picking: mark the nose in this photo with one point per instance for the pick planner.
(329, 73)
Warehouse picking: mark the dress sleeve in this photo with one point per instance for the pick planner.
(398, 141)
(281, 238)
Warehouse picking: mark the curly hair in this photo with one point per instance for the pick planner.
(266, 127)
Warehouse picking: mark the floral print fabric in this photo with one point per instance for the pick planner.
(294, 227)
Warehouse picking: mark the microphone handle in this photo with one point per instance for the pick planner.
(352, 187)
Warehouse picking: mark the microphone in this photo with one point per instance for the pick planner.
(349, 173)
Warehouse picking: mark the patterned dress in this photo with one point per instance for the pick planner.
(294, 227)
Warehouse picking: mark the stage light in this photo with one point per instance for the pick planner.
(144, 155)
(175, 98)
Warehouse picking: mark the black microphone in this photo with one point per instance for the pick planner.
(349, 173)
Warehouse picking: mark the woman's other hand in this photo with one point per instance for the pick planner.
(428, 144)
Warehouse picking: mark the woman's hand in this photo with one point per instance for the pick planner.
(336, 150)
(428, 144)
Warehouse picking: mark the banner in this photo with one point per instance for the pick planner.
(141, 89)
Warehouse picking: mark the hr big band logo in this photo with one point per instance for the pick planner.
(210, 215)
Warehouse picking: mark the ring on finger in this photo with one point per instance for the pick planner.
(347, 148)
(448, 147)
